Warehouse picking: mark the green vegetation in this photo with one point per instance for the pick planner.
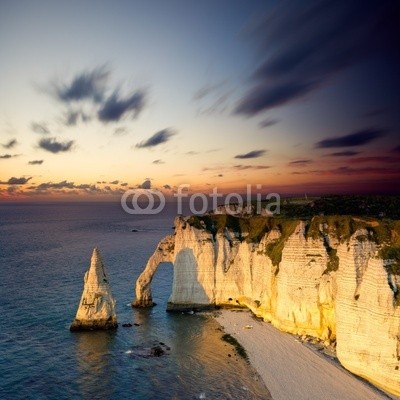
(333, 260)
(363, 206)
(344, 226)
(392, 253)
(274, 249)
(252, 230)
(240, 350)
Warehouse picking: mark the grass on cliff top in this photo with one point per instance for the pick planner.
(363, 206)
(341, 226)
(384, 232)
(252, 230)
(344, 226)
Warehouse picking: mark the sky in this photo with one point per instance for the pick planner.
(100, 97)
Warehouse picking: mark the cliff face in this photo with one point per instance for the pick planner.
(96, 308)
(316, 284)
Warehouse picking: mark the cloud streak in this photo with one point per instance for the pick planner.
(10, 144)
(35, 162)
(348, 153)
(87, 85)
(265, 97)
(266, 123)
(115, 107)
(158, 138)
(16, 181)
(40, 127)
(303, 45)
(300, 163)
(7, 156)
(251, 154)
(54, 146)
(71, 118)
(374, 159)
(351, 140)
(60, 185)
(346, 170)
(255, 167)
(396, 149)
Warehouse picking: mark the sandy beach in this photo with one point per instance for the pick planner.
(291, 370)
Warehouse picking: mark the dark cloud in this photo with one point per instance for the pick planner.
(124, 184)
(251, 154)
(114, 182)
(35, 162)
(9, 145)
(87, 85)
(146, 184)
(71, 118)
(353, 139)
(114, 108)
(374, 159)
(266, 123)
(87, 187)
(158, 138)
(158, 162)
(396, 149)
(304, 44)
(300, 163)
(16, 181)
(192, 153)
(40, 127)
(60, 185)
(346, 170)
(7, 156)
(53, 146)
(347, 153)
(376, 112)
(266, 97)
(256, 167)
(71, 188)
(220, 175)
(167, 187)
(120, 131)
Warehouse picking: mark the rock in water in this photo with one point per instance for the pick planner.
(97, 306)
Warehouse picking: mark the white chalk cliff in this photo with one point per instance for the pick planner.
(320, 285)
(96, 309)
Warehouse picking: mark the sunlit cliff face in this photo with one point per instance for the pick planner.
(334, 278)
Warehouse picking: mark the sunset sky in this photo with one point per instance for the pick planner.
(101, 96)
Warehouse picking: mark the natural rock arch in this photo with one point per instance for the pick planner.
(163, 253)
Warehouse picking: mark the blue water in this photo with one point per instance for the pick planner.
(44, 251)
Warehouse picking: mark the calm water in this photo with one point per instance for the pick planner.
(44, 252)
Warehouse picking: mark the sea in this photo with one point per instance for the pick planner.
(45, 249)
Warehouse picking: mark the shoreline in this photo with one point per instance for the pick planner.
(291, 369)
